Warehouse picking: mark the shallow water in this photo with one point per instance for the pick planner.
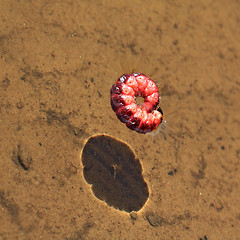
(58, 62)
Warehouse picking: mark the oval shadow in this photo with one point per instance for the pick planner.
(115, 173)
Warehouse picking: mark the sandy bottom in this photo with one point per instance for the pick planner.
(58, 61)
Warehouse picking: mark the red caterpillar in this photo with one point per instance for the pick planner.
(141, 118)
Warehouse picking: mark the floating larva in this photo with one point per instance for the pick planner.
(142, 118)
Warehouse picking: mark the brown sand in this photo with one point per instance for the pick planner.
(58, 60)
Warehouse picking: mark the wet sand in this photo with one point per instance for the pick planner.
(58, 62)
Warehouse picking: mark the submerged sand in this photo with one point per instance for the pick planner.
(58, 61)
